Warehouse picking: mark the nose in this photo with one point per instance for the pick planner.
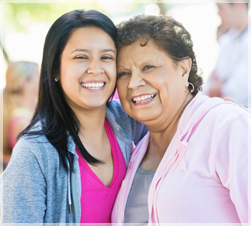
(95, 68)
(136, 81)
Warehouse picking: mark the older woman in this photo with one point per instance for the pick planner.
(192, 165)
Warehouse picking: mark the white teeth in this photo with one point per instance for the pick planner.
(143, 98)
(93, 85)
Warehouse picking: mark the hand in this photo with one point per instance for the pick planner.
(215, 89)
(231, 99)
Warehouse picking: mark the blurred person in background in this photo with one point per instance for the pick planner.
(225, 13)
(230, 76)
(19, 102)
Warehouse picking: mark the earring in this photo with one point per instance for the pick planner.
(190, 90)
(56, 80)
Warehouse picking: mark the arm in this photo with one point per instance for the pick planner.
(139, 130)
(237, 84)
(231, 162)
(212, 86)
(132, 128)
(235, 101)
(16, 125)
(23, 187)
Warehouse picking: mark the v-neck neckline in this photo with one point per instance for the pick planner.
(90, 172)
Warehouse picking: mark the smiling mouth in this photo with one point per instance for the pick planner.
(143, 98)
(93, 85)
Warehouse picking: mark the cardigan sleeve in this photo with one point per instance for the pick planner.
(133, 130)
(231, 163)
(23, 187)
(139, 130)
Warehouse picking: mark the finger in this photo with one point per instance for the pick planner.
(231, 99)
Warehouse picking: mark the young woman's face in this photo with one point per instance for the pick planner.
(150, 85)
(88, 68)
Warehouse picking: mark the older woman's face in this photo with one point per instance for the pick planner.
(150, 85)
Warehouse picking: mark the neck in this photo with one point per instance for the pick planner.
(243, 23)
(91, 122)
(162, 134)
(92, 132)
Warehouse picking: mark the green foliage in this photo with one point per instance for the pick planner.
(20, 15)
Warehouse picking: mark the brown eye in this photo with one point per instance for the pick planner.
(124, 73)
(147, 67)
(107, 58)
(81, 57)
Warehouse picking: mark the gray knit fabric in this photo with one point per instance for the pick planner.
(35, 188)
(136, 210)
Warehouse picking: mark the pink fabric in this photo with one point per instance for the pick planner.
(97, 199)
(116, 95)
(203, 176)
(19, 114)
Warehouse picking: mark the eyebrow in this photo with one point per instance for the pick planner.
(108, 50)
(86, 50)
(122, 67)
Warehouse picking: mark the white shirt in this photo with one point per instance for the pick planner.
(232, 66)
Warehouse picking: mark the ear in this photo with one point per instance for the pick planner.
(185, 66)
(57, 77)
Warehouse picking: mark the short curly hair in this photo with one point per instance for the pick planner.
(167, 34)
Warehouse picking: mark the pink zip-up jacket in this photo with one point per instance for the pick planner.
(203, 176)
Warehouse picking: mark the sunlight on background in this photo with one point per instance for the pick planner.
(26, 43)
(152, 9)
(201, 20)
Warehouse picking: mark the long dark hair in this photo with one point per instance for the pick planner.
(57, 118)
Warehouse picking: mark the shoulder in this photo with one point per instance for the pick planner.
(226, 119)
(114, 107)
(116, 115)
(31, 150)
(214, 113)
(227, 37)
(124, 124)
(227, 111)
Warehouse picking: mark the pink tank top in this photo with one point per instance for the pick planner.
(97, 199)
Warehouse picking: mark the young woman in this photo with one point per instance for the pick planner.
(69, 162)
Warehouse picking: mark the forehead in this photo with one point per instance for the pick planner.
(140, 51)
(89, 36)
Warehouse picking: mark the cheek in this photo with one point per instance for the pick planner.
(169, 86)
(72, 70)
(122, 88)
(123, 92)
(111, 72)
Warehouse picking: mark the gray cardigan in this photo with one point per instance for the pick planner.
(35, 188)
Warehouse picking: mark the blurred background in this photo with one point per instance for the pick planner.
(23, 27)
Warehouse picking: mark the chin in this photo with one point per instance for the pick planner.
(144, 116)
(95, 104)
